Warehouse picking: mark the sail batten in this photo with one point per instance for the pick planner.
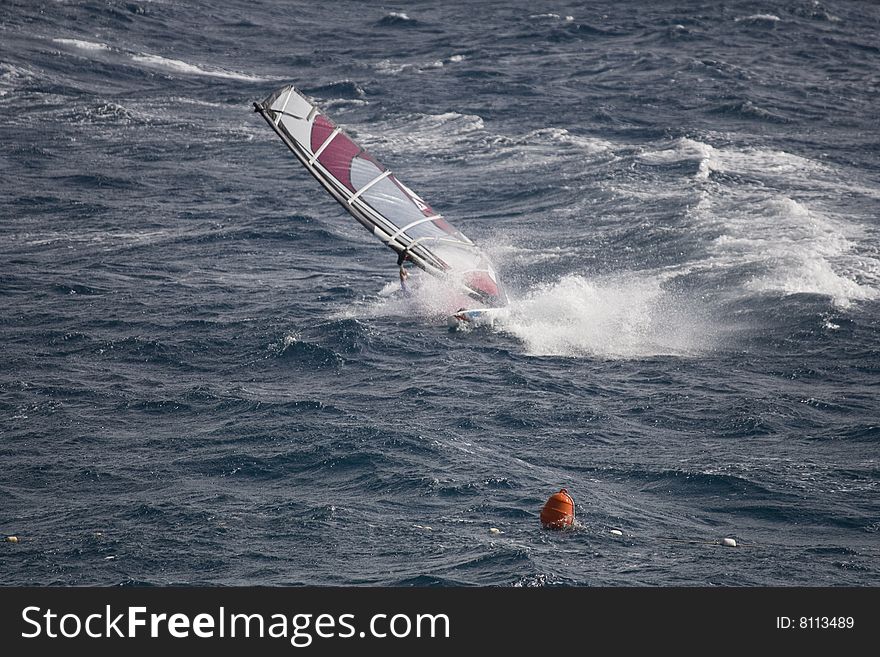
(363, 189)
(377, 199)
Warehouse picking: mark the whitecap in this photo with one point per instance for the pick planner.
(179, 66)
(625, 316)
(85, 45)
(588, 144)
(686, 149)
(795, 248)
(389, 67)
(427, 133)
(772, 18)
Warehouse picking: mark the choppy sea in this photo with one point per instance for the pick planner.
(206, 376)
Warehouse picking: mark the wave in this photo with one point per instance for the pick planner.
(157, 61)
(756, 222)
(784, 246)
(423, 133)
(345, 89)
(807, 255)
(551, 16)
(14, 77)
(293, 349)
(773, 240)
(758, 18)
(105, 113)
(458, 135)
(542, 136)
(746, 109)
(179, 66)
(772, 165)
(396, 19)
(684, 150)
(390, 67)
(618, 317)
(85, 45)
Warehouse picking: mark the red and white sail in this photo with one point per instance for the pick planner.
(377, 199)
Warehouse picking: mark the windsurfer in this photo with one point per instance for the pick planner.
(380, 202)
(403, 257)
(403, 277)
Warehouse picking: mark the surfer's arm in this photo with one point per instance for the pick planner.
(403, 276)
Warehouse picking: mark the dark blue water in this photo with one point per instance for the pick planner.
(205, 375)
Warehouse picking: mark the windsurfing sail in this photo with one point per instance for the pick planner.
(374, 196)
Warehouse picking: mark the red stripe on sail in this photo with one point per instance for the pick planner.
(479, 280)
(338, 154)
(321, 129)
(442, 224)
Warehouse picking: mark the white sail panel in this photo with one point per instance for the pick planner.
(291, 110)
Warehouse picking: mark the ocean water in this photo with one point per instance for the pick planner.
(206, 376)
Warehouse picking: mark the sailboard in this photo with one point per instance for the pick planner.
(375, 197)
(476, 317)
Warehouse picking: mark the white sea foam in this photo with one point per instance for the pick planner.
(765, 161)
(551, 16)
(767, 231)
(795, 249)
(753, 161)
(468, 136)
(390, 67)
(190, 69)
(795, 245)
(588, 144)
(619, 317)
(11, 74)
(428, 133)
(773, 223)
(685, 149)
(85, 45)
(431, 299)
(772, 18)
(779, 168)
(813, 275)
(200, 102)
(344, 103)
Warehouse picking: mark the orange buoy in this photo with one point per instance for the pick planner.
(558, 512)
